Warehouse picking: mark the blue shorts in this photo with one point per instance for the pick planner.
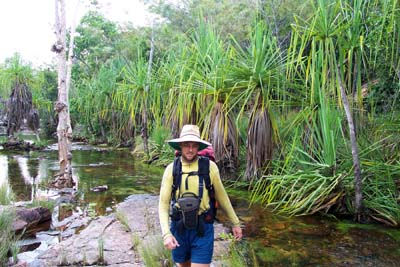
(192, 247)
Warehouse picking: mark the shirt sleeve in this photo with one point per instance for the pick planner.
(164, 202)
(221, 195)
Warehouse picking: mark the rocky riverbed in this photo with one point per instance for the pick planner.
(118, 239)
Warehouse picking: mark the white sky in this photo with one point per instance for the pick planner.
(26, 26)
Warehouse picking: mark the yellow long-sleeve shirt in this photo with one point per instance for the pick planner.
(193, 186)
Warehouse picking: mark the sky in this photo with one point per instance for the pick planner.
(27, 26)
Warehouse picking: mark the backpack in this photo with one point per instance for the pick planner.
(204, 175)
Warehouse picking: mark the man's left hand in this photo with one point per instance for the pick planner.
(237, 232)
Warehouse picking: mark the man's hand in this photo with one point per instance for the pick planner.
(237, 232)
(171, 243)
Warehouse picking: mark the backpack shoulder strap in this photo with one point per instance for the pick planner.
(204, 170)
(177, 177)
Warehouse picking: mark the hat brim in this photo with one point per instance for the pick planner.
(174, 143)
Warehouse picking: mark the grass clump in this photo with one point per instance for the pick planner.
(154, 254)
(7, 237)
(48, 204)
(6, 194)
(121, 217)
(101, 260)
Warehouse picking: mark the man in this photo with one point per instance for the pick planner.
(191, 237)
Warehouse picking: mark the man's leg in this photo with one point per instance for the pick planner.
(184, 264)
(199, 265)
(202, 247)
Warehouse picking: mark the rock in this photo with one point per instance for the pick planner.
(28, 244)
(108, 209)
(67, 191)
(143, 221)
(32, 220)
(63, 224)
(83, 248)
(277, 226)
(79, 223)
(137, 214)
(21, 264)
(100, 188)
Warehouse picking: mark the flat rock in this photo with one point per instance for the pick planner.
(83, 248)
(137, 219)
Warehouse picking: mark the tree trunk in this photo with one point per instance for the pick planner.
(354, 151)
(64, 131)
(145, 135)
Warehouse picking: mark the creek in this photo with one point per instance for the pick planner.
(274, 240)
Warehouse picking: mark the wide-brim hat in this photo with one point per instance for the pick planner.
(189, 133)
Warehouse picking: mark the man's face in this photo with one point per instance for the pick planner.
(189, 150)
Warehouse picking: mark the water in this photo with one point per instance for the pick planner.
(273, 240)
(28, 174)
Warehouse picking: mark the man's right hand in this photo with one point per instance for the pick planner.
(171, 243)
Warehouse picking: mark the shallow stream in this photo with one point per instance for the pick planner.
(273, 240)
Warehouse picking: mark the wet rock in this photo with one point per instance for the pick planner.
(366, 252)
(277, 226)
(45, 241)
(28, 244)
(311, 231)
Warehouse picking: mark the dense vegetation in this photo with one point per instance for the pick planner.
(262, 79)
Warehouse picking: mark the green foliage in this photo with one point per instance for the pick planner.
(7, 238)
(247, 72)
(94, 44)
(48, 204)
(15, 70)
(183, 17)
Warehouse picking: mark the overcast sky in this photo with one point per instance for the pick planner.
(27, 26)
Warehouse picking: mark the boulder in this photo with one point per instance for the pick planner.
(30, 221)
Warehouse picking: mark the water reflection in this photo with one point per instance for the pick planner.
(29, 174)
(3, 169)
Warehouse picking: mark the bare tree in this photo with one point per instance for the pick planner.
(145, 134)
(64, 130)
(354, 150)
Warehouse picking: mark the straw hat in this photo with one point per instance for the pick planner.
(189, 133)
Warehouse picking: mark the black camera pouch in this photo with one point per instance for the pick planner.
(189, 205)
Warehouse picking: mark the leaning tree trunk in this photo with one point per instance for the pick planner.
(259, 141)
(354, 151)
(64, 131)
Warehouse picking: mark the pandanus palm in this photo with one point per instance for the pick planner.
(210, 67)
(18, 77)
(132, 94)
(259, 69)
(174, 75)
